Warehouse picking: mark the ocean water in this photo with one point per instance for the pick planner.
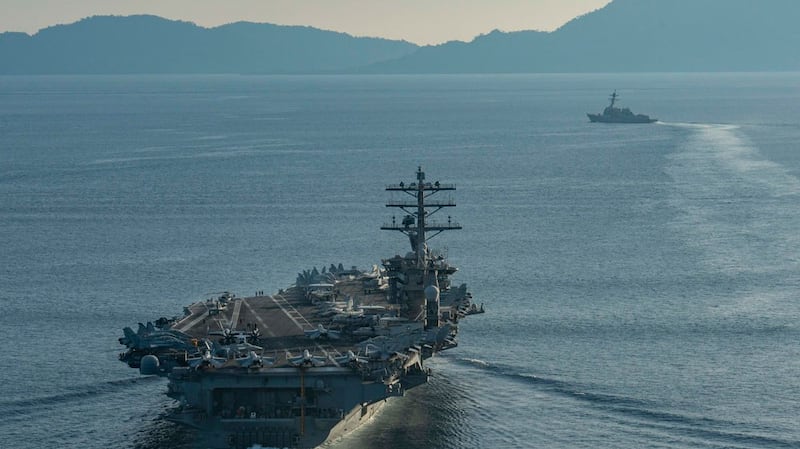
(642, 282)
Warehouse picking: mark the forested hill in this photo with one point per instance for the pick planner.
(632, 36)
(624, 36)
(149, 44)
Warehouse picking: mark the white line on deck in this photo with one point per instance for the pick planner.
(308, 324)
(192, 323)
(262, 324)
(237, 306)
(289, 314)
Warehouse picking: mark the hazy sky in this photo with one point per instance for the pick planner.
(418, 21)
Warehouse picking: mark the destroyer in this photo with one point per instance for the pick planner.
(314, 361)
(612, 114)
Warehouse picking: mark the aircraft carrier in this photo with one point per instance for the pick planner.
(315, 360)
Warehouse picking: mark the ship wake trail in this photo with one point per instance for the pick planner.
(735, 206)
(21, 409)
(635, 416)
(731, 151)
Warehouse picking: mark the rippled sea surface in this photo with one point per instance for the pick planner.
(642, 282)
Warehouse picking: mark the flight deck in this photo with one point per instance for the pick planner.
(292, 320)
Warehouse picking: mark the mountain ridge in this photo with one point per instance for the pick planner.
(623, 36)
(632, 36)
(151, 44)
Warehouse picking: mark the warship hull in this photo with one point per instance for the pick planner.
(270, 427)
(600, 118)
(248, 433)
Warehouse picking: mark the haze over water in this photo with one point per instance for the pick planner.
(641, 282)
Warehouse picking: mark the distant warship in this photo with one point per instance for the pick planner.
(315, 360)
(612, 114)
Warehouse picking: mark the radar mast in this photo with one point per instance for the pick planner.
(416, 279)
(416, 224)
(613, 98)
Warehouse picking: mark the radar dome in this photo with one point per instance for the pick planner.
(149, 365)
(431, 293)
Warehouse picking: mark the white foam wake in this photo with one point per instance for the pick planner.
(734, 205)
(737, 214)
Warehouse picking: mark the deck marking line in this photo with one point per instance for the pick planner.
(262, 324)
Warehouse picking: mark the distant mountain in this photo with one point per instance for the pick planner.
(149, 44)
(632, 36)
(624, 36)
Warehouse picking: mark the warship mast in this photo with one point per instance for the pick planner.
(613, 98)
(418, 270)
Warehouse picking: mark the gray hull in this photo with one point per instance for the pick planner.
(282, 433)
(600, 118)
(280, 407)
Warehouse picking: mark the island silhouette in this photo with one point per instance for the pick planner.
(623, 36)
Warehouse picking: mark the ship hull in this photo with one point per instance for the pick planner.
(282, 407)
(246, 433)
(600, 118)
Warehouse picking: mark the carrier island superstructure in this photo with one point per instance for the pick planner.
(315, 360)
